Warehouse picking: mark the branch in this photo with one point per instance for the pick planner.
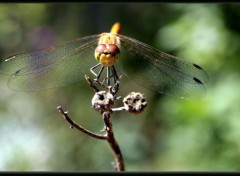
(91, 84)
(119, 164)
(102, 102)
(74, 125)
(109, 136)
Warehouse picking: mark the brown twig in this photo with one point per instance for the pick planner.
(91, 84)
(74, 125)
(105, 110)
(119, 164)
(109, 136)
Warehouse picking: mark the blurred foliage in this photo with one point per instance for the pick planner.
(171, 135)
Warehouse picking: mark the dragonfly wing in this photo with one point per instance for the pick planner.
(159, 71)
(53, 67)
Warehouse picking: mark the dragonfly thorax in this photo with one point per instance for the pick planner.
(107, 54)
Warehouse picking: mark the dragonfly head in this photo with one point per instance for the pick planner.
(107, 54)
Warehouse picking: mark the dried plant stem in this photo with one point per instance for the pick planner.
(119, 164)
(109, 136)
(104, 107)
(74, 125)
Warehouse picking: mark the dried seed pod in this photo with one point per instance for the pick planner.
(102, 101)
(135, 102)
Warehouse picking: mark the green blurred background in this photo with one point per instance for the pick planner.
(171, 135)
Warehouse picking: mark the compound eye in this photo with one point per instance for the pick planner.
(100, 48)
(114, 50)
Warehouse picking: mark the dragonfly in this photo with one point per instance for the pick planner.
(68, 63)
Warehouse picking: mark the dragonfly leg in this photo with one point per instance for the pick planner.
(111, 74)
(94, 67)
(114, 73)
(108, 76)
(116, 80)
(97, 74)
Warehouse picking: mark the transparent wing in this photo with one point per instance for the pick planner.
(53, 67)
(159, 71)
